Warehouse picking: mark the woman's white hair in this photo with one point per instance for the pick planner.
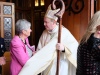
(92, 26)
(22, 24)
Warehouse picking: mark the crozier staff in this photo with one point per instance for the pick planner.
(59, 14)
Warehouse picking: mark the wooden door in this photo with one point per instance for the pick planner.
(7, 30)
(7, 22)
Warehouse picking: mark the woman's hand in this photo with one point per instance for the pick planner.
(33, 48)
(34, 52)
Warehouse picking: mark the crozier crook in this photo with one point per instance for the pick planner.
(62, 9)
(59, 14)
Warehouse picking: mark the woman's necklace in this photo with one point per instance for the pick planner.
(22, 40)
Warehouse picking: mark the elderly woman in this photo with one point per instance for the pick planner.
(20, 49)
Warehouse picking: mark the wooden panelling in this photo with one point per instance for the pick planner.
(77, 23)
(92, 8)
(69, 21)
(83, 20)
(2, 0)
(98, 5)
(6, 67)
(76, 26)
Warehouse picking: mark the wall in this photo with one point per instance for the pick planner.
(2, 0)
(98, 5)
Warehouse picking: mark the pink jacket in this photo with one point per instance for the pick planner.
(19, 55)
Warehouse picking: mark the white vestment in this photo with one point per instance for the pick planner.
(44, 61)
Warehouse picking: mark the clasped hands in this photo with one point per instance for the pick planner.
(2, 60)
(33, 49)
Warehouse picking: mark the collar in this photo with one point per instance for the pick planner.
(55, 30)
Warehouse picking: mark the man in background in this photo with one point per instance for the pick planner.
(2, 50)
